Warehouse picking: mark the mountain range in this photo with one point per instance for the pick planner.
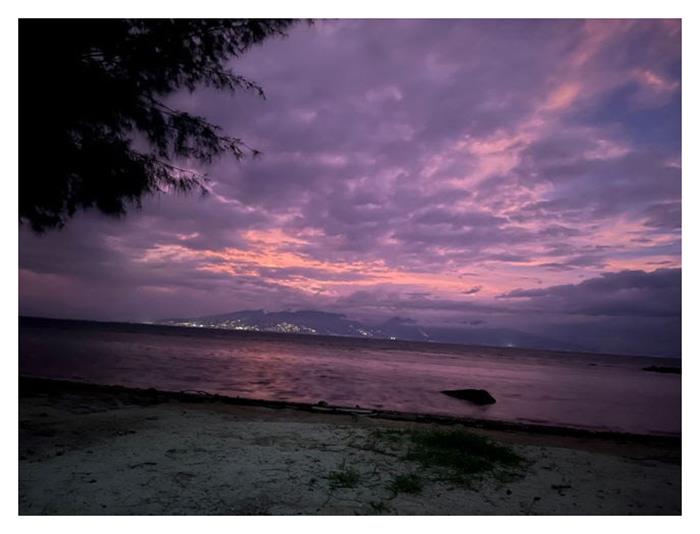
(314, 322)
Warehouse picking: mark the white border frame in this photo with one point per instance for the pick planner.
(356, 9)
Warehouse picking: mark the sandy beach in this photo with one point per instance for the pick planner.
(102, 450)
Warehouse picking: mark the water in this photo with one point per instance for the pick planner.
(581, 390)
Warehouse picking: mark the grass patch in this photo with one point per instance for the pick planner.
(407, 483)
(457, 453)
(345, 477)
(460, 451)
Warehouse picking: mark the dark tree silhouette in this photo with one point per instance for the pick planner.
(88, 89)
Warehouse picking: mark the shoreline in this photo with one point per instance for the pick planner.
(32, 384)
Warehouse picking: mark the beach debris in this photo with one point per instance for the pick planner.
(476, 396)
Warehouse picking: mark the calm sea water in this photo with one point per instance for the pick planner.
(580, 390)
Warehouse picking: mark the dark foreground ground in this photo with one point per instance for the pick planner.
(103, 450)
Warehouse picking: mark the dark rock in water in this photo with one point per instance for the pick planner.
(477, 396)
(662, 369)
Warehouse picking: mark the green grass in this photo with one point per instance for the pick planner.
(345, 477)
(456, 453)
(460, 451)
(407, 483)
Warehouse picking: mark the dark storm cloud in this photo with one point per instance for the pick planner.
(392, 301)
(626, 293)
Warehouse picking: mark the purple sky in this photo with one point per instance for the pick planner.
(525, 174)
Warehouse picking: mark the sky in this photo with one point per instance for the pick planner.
(460, 173)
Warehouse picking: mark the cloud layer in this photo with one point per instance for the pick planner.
(452, 171)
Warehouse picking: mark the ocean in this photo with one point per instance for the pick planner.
(590, 391)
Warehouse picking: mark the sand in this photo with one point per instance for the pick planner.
(105, 451)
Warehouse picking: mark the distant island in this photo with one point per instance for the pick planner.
(314, 322)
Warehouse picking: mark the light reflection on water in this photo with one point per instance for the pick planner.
(583, 390)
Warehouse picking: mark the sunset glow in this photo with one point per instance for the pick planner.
(420, 168)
